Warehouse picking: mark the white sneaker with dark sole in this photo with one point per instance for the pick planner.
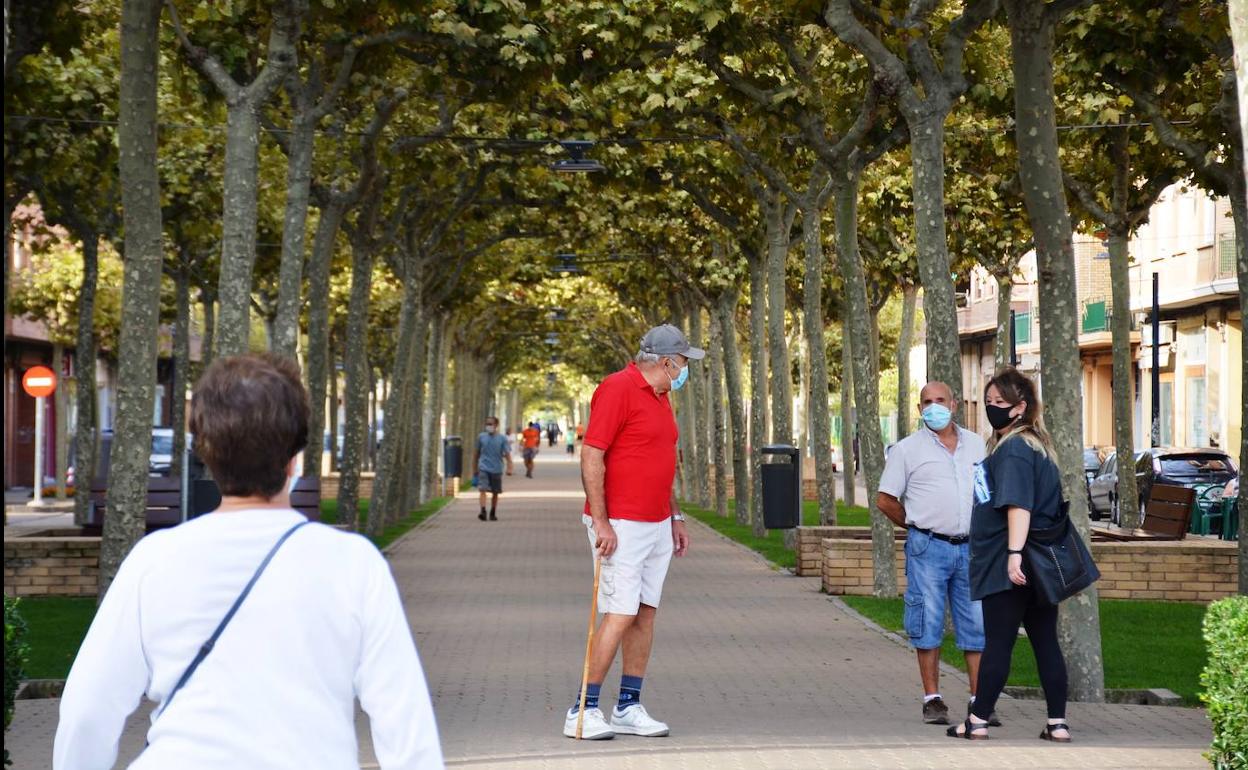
(594, 728)
(635, 721)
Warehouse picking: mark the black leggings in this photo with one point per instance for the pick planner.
(1003, 613)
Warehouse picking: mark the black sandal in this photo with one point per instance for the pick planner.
(1047, 733)
(969, 729)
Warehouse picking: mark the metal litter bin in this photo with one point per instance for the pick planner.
(452, 457)
(782, 488)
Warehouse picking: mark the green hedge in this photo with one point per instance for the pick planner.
(14, 658)
(1225, 679)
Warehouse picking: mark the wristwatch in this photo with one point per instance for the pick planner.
(678, 516)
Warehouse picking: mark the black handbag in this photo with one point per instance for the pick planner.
(1059, 563)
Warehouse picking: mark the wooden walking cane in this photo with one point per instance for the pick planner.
(589, 646)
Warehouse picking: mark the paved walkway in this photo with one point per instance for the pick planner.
(753, 668)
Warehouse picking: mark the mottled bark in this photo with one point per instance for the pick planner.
(181, 368)
(355, 360)
(758, 389)
(1239, 211)
(1127, 494)
(927, 156)
(779, 220)
(1031, 37)
(60, 405)
(86, 432)
(865, 380)
(817, 396)
(725, 310)
(905, 341)
(242, 163)
(431, 422)
(294, 228)
(125, 521)
(207, 304)
(413, 469)
(317, 358)
(719, 432)
(699, 440)
(334, 401)
(1001, 343)
(849, 491)
(388, 492)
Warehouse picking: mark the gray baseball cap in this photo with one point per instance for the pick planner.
(667, 340)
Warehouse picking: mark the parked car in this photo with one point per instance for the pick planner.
(1205, 470)
(162, 452)
(1091, 466)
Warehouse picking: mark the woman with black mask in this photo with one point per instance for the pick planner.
(1017, 488)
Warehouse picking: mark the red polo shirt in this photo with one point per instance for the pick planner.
(637, 430)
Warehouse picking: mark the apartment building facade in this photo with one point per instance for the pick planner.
(1189, 243)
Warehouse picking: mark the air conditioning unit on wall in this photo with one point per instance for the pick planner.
(1165, 332)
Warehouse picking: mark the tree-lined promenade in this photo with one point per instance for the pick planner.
(381, 191)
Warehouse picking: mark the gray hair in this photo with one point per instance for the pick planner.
(643, 357)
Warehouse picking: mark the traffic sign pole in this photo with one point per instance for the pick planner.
(39, 382)
(39, 406)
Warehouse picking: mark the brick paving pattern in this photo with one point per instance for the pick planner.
(752, 668)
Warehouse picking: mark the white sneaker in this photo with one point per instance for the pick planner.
(635, 721)
(594, 728)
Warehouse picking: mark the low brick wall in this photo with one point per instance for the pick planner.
(51, 566)
(847, 566)
(1179, 570)
(810, 545)
(331, 481)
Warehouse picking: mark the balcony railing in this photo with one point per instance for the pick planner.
(1022, 328)
(1095, 316)
(1224, 266)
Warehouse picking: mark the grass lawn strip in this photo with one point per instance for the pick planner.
(59, 624)
(1144, 644)
(771, 546)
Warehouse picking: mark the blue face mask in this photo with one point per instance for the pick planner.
(936, 416)
(679, 382)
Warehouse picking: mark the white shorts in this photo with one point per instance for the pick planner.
(634, 574)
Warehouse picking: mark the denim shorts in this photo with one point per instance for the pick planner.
(937, 575)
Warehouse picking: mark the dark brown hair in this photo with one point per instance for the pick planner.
(1016, 387)
(249, 415)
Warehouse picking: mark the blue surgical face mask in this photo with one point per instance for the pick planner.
(679, 382)
(937, 416)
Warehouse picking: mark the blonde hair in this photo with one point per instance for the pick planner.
(1015, 387)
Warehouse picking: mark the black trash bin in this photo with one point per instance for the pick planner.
(782, 488)
(452, 457)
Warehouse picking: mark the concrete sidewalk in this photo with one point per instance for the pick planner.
(751, 667)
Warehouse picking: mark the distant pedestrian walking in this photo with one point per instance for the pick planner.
(926, 488)
(552, 433)
(628, 464)
(1018, 488)
(571, 441)
(318, 626)
(493, 452)
(532, 439)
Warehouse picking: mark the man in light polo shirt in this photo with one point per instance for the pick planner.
(927, 488)
(628, 463)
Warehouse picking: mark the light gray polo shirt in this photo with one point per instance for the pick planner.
(933, 484)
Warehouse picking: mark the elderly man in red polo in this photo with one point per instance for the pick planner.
(628, 463)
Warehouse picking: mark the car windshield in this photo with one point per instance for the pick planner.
(1198, 468)
(1091, 459)
(162, 445)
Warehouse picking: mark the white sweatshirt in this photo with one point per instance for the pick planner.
(322, 626)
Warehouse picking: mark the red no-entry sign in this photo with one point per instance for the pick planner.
(39, 381)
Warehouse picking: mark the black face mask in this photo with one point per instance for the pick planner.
(999, 416)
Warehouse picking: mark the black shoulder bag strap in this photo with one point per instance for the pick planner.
(212, 640)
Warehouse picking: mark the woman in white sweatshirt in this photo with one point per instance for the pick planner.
(321, 626)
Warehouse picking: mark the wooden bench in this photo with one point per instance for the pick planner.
(1167, 515)
(164, 504)
(164, 501)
